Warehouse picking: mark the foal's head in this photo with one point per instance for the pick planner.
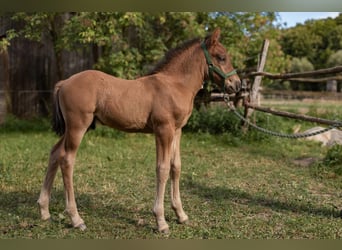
(220, 69)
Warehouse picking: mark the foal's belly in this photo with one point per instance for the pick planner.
(125, 123)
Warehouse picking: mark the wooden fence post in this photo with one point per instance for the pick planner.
(254, 91)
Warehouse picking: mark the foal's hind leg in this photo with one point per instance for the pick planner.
(73, 138)
(176, 202)
(45, 192)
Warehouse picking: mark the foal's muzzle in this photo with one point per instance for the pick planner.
(233, 85)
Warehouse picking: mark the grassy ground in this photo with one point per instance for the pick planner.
(231, 188)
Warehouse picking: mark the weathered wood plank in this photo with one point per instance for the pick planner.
(254, 92)
(293, 115)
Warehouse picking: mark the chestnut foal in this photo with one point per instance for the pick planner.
(160, 103)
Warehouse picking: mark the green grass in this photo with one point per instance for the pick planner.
(232, 187)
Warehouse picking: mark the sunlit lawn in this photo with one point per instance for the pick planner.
(230, 188)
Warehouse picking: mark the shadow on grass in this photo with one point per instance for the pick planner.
(242, 197)
(19, 211)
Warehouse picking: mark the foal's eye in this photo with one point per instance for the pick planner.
(221, 58)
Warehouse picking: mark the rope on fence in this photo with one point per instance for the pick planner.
(231, 107)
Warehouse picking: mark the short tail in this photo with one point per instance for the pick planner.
(58, 123)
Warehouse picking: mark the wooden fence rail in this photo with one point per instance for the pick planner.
(293, 115)
(251, 102)
(296, 76)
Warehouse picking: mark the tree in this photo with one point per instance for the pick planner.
(336, 60)
(315, 39)
(43, 25)
(128, 44)
(300, 65)
(131, 41)
(36, 60)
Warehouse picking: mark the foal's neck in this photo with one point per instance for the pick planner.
(188, 68)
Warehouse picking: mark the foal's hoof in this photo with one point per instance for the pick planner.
(185, 222)
(47, 220)
(81, 227)
(165, 231)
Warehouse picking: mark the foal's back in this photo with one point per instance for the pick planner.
(129, 105)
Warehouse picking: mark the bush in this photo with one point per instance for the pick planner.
(331, 165)
(300, 65)
(215, 120)
(14, 124)
(335, 59)
(218, 120)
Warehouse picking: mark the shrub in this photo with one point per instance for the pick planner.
(335, 59)
(214, 120)
(14, 124)
(218, 120)
(331, 165)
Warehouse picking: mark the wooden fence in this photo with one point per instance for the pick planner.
(252, 101)
(28, 73)
(300, 95)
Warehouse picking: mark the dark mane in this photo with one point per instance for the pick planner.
(171, 54)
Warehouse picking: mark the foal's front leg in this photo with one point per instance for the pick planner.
(176, 202)
(163, 145)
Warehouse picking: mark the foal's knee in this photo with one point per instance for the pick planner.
(66, 161)
(176, 169)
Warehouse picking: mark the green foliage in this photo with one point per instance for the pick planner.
(244, 34)
(300, 65)
(35, 24)
(6, 41)
(124, 64)
(13, 124)
(335, 59)
(300, 41)
(334, 157)
(129, 43)
(214, 120)
(218, 120)
(316, 40)
(331, 165)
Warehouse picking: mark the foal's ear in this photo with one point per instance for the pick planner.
(214, 38)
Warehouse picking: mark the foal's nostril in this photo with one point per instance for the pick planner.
(238, 85)
(233, 85)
